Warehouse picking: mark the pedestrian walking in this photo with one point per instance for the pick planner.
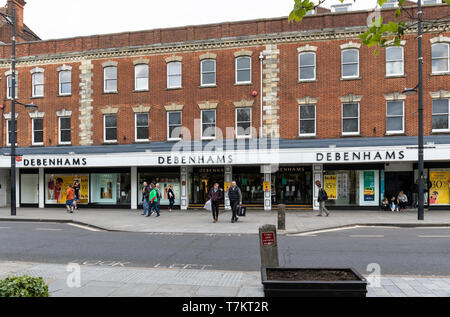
(158, 201)
(216, 196)
(153, 200)
(415, 194)
(76, 188)
(70, 195)
(322, 198)
(145, 199)
(171, 197)
(235, 196)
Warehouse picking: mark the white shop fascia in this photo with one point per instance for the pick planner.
(214, 158)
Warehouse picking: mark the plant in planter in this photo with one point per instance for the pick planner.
(23, 286)
(313, 282)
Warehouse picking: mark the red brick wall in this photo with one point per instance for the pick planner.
(372, 86)
(211, 31)
(328, 87)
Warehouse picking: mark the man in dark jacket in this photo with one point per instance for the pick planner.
(215, 195)
(145, 201)
(322, 198)
(235, 196)
(415, 193)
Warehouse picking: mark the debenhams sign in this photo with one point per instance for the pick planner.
(367, 156)
(54, 162)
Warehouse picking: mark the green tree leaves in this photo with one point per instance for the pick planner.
(379, 32)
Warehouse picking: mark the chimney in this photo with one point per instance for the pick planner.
(18, 4)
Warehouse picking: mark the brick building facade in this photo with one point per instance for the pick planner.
(322, 93)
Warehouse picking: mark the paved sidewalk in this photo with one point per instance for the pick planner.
(142, 282)
(197, 221)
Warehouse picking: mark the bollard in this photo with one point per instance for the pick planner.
(281, 217)
(268, 245)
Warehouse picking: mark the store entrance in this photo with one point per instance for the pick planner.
(293, 186)
(399, 181)
(202, 180)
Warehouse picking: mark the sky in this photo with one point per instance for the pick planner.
(52, 19)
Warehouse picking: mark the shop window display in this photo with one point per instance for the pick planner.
(113, 188)
(439, 193)
(342, 187)
(57, 184)
(250, 180)
(293, 185)
(164, 184)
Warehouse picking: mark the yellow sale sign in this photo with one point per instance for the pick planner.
(330, 186)
(439, 191)
(60, 183)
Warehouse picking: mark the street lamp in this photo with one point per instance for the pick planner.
(419, 89)
(12, 21)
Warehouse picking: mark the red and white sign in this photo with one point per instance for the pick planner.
(268, 239)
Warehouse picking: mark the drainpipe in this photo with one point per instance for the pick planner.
(261, 58)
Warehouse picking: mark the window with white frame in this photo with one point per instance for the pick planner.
(307, 66)
(141, 77)
(350, 118)
(441, 115)
(208, 71)
(65, 130)
(38, 131)
(9, 87)
(141, 133)
(307, 124)
(110, 79)
(243, 122)
(174, 77)
(394, 61)
(174, 125)
(428, 2)
(243, 70)
(208, 124)
(440, 58)
(37, 81)
(395, 117)
(110, 128)
(65, 82)
(350, 63)
(9, 135)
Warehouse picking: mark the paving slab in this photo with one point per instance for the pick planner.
(135, 290)
(211, 291)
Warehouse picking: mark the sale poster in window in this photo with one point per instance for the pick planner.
(57, 188)
(439, 191)
(330, 186)
(369, 186)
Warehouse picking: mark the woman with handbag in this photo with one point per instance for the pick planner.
(216, 196)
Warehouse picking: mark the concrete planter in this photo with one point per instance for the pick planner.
(354, 285)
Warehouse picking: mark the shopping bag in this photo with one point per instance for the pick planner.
(208, 205)
(241, 211)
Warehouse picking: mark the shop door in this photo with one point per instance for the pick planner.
(399, 181)
(202, 182)
(29, 189)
